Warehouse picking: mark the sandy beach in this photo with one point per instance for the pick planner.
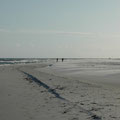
(59, 60)
(70, 90)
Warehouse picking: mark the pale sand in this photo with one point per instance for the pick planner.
(37, 92)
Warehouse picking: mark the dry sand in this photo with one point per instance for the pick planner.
(50, 92)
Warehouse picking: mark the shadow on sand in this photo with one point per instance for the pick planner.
(52, 91)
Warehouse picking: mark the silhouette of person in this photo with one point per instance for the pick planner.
(56, 59)
(62, 59)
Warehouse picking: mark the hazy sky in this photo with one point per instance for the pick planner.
(59, 28)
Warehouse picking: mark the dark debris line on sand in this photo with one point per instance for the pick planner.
(57, 95)
(52, 91)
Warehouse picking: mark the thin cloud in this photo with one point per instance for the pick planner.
(54, 32)
(65, 33)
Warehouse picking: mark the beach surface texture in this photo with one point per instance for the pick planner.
(84, 89)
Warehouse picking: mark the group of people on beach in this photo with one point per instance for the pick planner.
(58, 59)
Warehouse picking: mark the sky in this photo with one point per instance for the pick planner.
(60, 28)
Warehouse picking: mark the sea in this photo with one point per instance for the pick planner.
(90, 61)
(10, 61)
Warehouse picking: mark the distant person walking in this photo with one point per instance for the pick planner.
(56, 59)
(62, 59)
